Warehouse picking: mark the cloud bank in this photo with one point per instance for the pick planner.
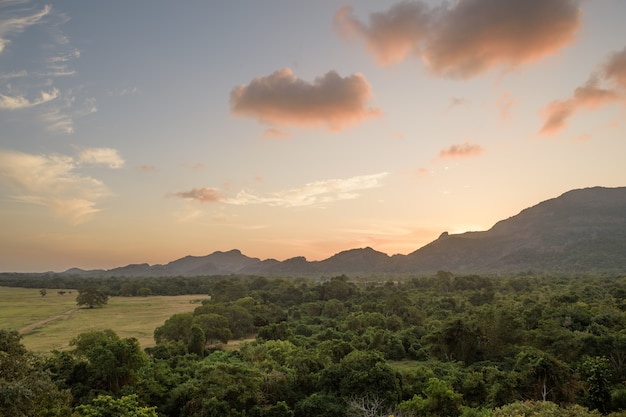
(318, 192)
(466, 38)
(607, 86)
(281, 99)
(52, 181)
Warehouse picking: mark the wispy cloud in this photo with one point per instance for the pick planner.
(59, 65)
(34, 87)
(606, 86)
(313, 193)
(52, 181)
(17, 102)
(12, 24)
(105, 156)
(273, 133)
(468, 37)
(463, 150)
(282, 99)
(203, 195)
(505, 104)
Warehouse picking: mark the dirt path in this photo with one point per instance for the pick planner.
(40, 323)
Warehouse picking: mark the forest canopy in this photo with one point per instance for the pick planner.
(441, 345)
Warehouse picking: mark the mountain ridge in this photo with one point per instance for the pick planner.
(582, 230)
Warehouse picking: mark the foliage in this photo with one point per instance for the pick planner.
(439, 400)
(110, 363)
(543, 409)
(441, 345)
(107, 406)
(91, 297)
(26, 389)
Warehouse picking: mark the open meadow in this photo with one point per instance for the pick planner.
(50, 322)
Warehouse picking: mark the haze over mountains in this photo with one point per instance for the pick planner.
(581, 231)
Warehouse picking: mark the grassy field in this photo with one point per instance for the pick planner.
(50, 322)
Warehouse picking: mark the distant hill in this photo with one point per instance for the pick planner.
(582, 231)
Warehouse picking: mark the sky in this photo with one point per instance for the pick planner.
(146, 131)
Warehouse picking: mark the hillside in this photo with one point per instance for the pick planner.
(581, 231)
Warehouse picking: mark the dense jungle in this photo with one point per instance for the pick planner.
(441, 345)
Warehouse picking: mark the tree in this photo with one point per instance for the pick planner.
(362, 373)
(92, 297)
(544, 377)
(197, 341)
(26, 390)
(176, 328)
(107, 406)
(215, 327)
(440, 400)
(43, 292)
(111, 362)
(596, 373)
(542, 408)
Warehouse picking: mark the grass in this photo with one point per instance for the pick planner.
(23, 308)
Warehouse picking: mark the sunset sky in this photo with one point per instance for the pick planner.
(144, 131)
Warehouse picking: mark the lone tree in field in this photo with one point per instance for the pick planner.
(92, 297)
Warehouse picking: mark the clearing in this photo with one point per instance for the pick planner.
(50, 322)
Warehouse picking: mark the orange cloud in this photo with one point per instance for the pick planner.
(391, 36)
(589, 96)
(461, 151)
(203, 195)
(282, 99)
(468, 38)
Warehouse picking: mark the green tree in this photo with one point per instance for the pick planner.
(107, 406)
(26, 389)
(111, 362)
(197, 341)
(91, 297)
(544, 377)
(215, 327)
(362, 373)
(596, 374)
(439, 399)
(176, 328)
(543, 409)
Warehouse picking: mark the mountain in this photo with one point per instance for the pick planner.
(581, 231)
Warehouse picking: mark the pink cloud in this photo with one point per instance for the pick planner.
(203, 195)
(505, 103)
(282, 99)
(463, 150)
(391, 35)
(468, 38)
(589, 96)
